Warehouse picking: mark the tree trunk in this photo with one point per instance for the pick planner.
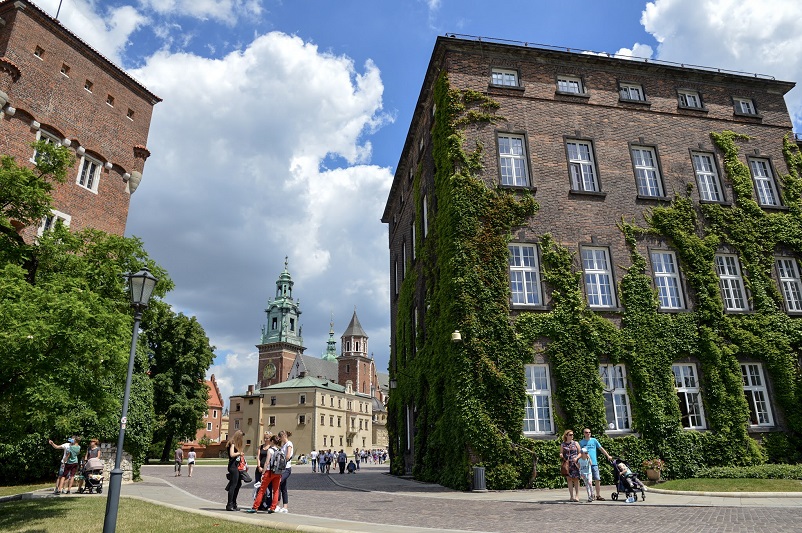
(168, 448)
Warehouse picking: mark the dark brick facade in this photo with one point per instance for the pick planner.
(45, 69)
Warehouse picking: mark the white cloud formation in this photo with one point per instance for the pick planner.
(752, 36)
(238, 179)
(638, 51)
(106, 31)
(228, 11)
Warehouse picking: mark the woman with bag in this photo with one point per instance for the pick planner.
(569, 453)
(236, 458)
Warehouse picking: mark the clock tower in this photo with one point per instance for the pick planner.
(281, 337)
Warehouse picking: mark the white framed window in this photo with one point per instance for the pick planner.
(731, 282)
(236, 423)
(503, 76)
(512, 160)
(425, 205)
(647, 173)
(616, 399)
(538, 412)
(271, 420)
(48, 138)
(686, 383)
(744, 106)
(570, 84)
(403, 260)
(208, 426)
(414, 254)
(790, 282)
(598, 277)
(322, 420)
(524, 275)
(214, 413)
(764, 182)
(689, 99)
(582, 166)
(395, 275)
(707, 177)
(302, 399)
(757, 395)
(49, 222)
(89, 174)
(301, 420)
(631, 91)
(666, 279)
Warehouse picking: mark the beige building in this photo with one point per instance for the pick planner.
(245, 414)
(320, 414)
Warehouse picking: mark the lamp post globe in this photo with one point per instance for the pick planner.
(140, 287)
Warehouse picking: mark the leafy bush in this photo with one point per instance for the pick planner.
(754, 472)
(30, 458)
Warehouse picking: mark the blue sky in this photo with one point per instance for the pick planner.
(282, 123)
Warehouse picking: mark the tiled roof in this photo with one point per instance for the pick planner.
(354, 329)
(306, 382)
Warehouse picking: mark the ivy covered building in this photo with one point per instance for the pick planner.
(617, 242)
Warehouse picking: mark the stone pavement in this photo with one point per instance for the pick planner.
(373, 501)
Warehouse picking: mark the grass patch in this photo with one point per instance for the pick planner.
(79, 515)
(19, 489)
(733, 485)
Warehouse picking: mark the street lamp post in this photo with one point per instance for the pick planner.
(141, 287)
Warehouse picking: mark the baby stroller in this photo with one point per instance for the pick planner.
(630, 485)
(93, 477)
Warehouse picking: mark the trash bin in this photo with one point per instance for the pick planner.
(479, 479)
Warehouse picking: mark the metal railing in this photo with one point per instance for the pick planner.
(555, 48)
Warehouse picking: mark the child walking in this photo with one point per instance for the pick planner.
(585, 472)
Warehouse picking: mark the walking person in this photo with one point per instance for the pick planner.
(191, 459)
(93, 452)
(236, 455)
(585, 472)
(287, 448)
(342, 459)
(65, 449)
(313, 456)
(357, 457)
(270, 481)
(569, 453)
(179, 460)
(592, 445)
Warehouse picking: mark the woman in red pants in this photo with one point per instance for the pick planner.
(269, 479)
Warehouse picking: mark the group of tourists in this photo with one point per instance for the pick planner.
(322, 460)
(272, 471)
(68, 469)
(578, 460)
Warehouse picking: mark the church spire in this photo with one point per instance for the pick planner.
(283, 313)
(331, 344)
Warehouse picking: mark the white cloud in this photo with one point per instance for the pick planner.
(752, 36)
(228, 11)
(106, 31)
(237, 181)
(638, 51)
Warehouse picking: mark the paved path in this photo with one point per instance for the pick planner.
(373, 501)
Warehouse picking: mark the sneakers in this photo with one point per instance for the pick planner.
(271, 511)
(282, 510)
(631, 499)
(250, 511)
(590, 500)
(56, 493)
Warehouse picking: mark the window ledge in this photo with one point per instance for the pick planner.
(645, 103)
(673, 311)
(539, 436)
(599, 194)
(517, 88)
(739, 312)
(578, 95)
(747, 115)
(529, 188)
(714, 202)
(533, 307)
(794, 313)
(690, 108)
(761, 429)
(775, 207)
(654, 198)
(606, 309)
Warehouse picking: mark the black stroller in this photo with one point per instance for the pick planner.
(630, 485)
(93, 477)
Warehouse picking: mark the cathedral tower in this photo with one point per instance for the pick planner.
(354, 363)
(281, 337)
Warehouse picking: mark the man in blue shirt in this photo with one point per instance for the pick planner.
(592, 446)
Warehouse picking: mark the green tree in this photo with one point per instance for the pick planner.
(179, 355)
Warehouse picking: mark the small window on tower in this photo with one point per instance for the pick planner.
(88, 85)
(356, 346)
(130, 114)
(39, 52)
(292, 324)
(274, 324)
(347, 369)
(65, 69)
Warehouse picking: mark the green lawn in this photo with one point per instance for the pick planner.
(19, 489)
(79, 515)
(733, 485)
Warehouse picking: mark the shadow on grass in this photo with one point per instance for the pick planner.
(17, 514)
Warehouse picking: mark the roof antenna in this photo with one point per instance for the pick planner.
(59, 8)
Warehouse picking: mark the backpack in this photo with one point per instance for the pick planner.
(278, 462)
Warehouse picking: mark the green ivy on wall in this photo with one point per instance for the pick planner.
(468, 398)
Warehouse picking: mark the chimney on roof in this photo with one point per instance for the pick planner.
(250, 390)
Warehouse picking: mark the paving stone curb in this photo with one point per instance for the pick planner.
(728, 494)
